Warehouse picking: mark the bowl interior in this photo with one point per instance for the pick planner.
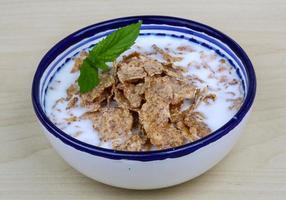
(185, 30)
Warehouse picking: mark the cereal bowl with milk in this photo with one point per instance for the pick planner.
(172, 109)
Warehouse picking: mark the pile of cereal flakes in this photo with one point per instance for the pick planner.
(138, 104)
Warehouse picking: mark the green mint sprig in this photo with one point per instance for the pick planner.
(107, 50)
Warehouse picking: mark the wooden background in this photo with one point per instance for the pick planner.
(31, 169)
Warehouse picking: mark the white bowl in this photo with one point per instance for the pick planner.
(153, 169)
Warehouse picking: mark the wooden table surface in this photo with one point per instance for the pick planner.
(31, 169)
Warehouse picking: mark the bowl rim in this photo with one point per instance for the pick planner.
(147, 155)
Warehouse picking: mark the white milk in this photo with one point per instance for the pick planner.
(217, 113)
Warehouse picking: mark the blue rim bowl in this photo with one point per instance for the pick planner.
(149, 155)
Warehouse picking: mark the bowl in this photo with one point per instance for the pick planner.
(151, 169)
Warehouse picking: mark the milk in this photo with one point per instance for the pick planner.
(217, 113)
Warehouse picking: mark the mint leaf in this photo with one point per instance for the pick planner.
(116, 43)
(107, 50)
(88, 77)
(102, 65)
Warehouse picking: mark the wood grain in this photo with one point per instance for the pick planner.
(31, 169)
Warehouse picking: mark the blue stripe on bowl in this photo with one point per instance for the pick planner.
(192, 28)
